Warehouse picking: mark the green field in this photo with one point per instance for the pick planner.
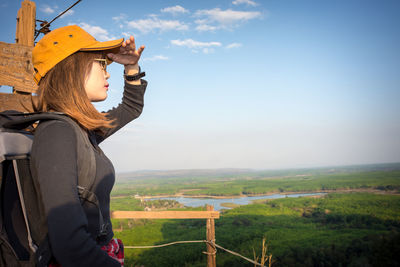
(383, 177)
(340, 229)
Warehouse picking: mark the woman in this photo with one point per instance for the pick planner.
(70, 68)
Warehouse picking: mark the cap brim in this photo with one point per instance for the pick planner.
(110, 46)
(100, 46)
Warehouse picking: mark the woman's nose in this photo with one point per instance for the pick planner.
(106, 75)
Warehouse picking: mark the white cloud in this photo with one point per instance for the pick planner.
(156, 58)
(47, 9)
(233, 45)
(205, 47)
(121, 16)
(128, 34)
(247, 2)
(206, 27)
(174, 10)
(154, 23)
(214, 19)
(98, 32)
(227, 17)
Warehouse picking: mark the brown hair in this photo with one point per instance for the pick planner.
(62, 89)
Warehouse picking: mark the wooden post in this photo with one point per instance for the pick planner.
(16, 67)
(211, 251)
(26, 22)
(25, 33)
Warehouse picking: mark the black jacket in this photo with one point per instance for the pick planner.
(72, 227)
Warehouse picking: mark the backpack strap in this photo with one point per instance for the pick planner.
(87, 173)
(14, 145)
(19, 121)
(32, 246)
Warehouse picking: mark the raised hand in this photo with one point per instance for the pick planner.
(127, 55)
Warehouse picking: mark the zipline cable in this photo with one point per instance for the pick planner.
(199, 241)
(59, 15)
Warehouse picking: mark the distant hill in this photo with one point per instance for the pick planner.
(190, 173)
(254, 173)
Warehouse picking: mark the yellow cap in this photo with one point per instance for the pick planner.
(63, 42)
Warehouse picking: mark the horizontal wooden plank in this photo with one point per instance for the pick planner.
(165, 214)
(18, 102)
(16, 68)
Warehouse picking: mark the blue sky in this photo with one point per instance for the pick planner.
(250, 84)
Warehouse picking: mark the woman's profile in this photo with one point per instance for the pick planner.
(71, 72)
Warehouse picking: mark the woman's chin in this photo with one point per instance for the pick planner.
(99, 99)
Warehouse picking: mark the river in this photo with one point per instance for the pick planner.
(216, 202)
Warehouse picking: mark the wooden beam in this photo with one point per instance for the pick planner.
(26, 22)
(16, 102)
(164, 214)
(16, 68)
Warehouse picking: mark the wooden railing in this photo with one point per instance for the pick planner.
(16, 68)
(209, 215)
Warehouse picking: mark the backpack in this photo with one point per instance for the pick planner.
(23, 229)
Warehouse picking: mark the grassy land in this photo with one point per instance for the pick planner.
(262, 182)
(303, 230)
(230, 205)
(352, 229)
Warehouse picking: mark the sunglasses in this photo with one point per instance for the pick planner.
(102, 62)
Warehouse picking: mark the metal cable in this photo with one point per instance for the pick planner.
(200, 241)
(59, 15)
(168, 244)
